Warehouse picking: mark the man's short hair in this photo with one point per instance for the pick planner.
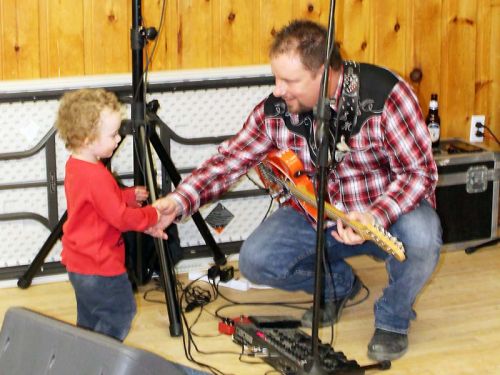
(308, 40)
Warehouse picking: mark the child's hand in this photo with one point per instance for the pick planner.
(141, 194)
(158, 230)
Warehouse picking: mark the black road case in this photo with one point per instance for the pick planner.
(467, 193)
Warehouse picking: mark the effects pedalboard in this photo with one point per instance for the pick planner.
(279, 342)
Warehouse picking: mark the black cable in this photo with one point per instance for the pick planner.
(154, 289)
(291, 305)
(268, 210)
(187, 337)
(492, 134)
(268, 191)
(153, 50)
(196, 297)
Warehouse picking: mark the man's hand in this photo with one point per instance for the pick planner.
(346, 234)
(167, 206)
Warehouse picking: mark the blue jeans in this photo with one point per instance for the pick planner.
(104, 304)
(107, 305)
(281, 253)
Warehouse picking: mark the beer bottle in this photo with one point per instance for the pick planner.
(433, 121)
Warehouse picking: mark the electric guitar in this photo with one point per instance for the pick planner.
(282, 173)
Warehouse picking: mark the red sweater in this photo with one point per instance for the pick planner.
(98, 212)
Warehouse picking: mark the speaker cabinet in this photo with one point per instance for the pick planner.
(34, 344)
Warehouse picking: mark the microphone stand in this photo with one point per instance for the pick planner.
(322, 114)
(322, 133)
(138, 38)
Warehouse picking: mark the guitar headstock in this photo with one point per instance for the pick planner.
(385, 241)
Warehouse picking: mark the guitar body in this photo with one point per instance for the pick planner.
(282, 172)
(285, 164)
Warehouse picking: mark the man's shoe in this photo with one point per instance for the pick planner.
(330, 314)
(386, 345)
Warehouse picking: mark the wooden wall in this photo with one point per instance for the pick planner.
(453, 43)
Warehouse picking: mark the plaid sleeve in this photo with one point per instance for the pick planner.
(414, 172)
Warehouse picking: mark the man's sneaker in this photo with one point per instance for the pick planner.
(330, 314)
(386, 345)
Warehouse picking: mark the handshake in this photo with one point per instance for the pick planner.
(168, 210)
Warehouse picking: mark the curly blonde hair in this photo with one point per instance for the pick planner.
(79, 113)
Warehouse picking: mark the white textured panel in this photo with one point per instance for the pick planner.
(191, 114)
(24, 124)
(23, 170)
(27, 200)
(23, 241)
(123, 159)
(61, 200)
(207, 113)
(190, 156)
(61, 157)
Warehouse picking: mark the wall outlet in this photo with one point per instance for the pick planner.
(473, 129)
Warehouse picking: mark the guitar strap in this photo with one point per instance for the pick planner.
(347, 108)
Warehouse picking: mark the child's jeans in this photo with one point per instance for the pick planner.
(105, 304)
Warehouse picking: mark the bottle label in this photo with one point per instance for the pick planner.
(434, 131)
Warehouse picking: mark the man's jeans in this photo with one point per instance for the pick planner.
(104, 304)
(281, 253)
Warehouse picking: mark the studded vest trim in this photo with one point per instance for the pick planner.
(365, 90)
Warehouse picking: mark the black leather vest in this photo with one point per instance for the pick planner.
(364, 93)
(376, 84)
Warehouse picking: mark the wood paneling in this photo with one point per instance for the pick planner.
(454, 43)
(270, 22)
(19, 39)
(494, 95)
(164, 46)
(459, 23)
(106, 37)
(354, 30)
(235, 25)
(389, 28)
(316, 10)
(62, 38)
(424, 51)
(195, 34)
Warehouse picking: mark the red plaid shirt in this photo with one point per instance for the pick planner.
(388, 171)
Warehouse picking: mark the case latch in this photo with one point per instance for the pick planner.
(477, 179)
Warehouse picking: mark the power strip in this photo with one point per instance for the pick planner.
(236, 283)
(200, 264)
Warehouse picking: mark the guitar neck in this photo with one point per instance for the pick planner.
(330, 211)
